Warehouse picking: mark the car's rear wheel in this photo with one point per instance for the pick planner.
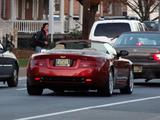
(130, 84)
(13, 81)
(108, 88)
(33, 90)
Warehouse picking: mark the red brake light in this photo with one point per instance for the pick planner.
(139, 44)
(88, 80)
(39, 62)
(156, 56)
(37, 79)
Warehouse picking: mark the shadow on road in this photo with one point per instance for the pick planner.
(78, 94)
(148, 84)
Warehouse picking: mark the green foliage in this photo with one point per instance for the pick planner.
(23, 62)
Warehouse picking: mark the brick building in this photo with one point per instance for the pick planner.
(34, 11)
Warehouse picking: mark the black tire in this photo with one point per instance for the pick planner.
(108, 88)
(32, 90)
(130, 85)
(13, 81)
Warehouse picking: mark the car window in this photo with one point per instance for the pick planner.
(151, 25)
(104, 47)
(99, 47)
(139, 39)
(141, 27)
(111, 29)
(76, 45)
(110, 49)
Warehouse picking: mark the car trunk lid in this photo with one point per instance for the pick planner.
(72, 58)
(141, 54)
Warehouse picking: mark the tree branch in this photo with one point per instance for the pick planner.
(154, 7)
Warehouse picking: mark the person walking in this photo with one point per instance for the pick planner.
(41, 39)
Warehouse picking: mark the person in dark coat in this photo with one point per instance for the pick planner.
(42, 38)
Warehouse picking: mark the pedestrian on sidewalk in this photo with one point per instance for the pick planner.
(41, 38)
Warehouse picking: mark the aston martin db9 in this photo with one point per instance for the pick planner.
(80, 65)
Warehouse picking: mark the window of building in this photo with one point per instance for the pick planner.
(57, 6)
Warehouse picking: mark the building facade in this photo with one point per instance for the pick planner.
(25, 13)
(113, 8)
(33, 9)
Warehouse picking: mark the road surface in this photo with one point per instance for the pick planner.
(16, 104)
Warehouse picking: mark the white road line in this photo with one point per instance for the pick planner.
(19, 89)
(88, 108)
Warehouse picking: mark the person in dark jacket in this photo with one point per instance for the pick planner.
(42, 38)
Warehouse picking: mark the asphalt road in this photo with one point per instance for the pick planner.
(16, 104)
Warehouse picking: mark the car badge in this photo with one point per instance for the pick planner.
(62, 57)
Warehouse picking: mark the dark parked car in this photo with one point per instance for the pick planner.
(80, 65)
(152, 25)
(144, 49)
(9, 67)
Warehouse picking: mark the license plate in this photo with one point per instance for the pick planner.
(63, 62)
(137, 69)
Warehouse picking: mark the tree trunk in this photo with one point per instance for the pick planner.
(89, 12)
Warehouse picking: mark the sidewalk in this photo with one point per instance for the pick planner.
(22, 71)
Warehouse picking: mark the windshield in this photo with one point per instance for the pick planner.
(138, 39)
(111, 29)
(98, 46)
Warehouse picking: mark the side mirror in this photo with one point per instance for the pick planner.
(122, 53)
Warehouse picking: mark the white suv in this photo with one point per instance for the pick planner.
(109, 30)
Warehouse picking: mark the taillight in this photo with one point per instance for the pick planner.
(39, 63)
(156, 57)
(88, 64)
(37, 78)
(139, 44)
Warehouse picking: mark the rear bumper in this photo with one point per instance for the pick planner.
(5, 72)
(149, 71)
(85, 78)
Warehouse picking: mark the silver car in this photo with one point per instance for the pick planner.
(9, 67)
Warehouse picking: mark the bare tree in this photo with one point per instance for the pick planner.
(143, 8)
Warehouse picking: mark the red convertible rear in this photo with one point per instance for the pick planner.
(79, 69)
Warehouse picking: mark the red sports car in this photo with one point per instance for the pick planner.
(80, 65)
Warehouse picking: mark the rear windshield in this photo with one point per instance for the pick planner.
(111, 29)
(138, 40)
